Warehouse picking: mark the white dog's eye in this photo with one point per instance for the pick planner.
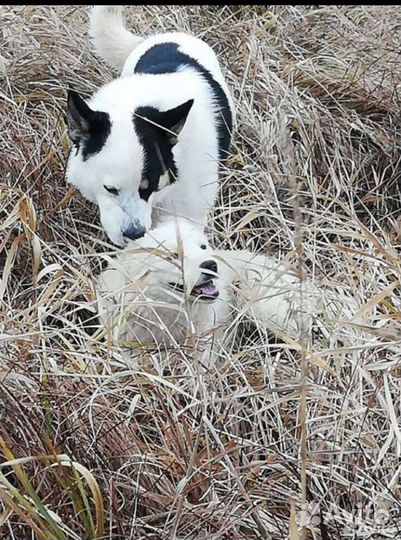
(112, 190)
(203, 246)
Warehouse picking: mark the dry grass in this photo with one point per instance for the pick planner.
(122, 452)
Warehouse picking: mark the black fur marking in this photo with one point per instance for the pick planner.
(88, 129)
(162, 58)
(166, 58)
(99, 130)
(158, 143)
(158, 151)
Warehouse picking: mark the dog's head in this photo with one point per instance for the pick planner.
(119, 158)
(172, 262)
(177, 257)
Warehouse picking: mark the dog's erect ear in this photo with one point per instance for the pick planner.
(79, 117)
(174, 120)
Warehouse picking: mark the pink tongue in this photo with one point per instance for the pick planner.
(209, 289)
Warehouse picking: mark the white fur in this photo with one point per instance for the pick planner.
(120, 162)
(137, 305)
(111, 40)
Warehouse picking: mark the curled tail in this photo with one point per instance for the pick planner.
(111, 40)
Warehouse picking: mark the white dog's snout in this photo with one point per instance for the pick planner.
(209, 265)
(209, 271)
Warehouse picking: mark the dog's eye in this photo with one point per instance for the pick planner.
(144, 184)
(203, 246)
(112, 190)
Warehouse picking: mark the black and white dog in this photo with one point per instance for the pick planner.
(150, 142)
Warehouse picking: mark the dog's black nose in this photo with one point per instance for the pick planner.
(209, 265)
(134, 232)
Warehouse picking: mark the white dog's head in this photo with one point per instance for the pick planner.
(120, 158)
(172, 262)
(182, 260)
(147, 290)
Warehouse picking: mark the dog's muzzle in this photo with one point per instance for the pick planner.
(133, 232)
(205, 289)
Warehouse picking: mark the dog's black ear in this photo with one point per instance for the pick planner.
(79, 117)
(174, 119)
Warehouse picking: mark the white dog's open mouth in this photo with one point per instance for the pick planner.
(205, 291)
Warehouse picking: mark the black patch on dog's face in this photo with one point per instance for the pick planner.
(167, 58)
(99, 131)
(88, 129)
(153, 129)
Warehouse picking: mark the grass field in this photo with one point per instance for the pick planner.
(281, 440)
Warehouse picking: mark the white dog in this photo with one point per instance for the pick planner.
(153, 138)
(170, 286)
